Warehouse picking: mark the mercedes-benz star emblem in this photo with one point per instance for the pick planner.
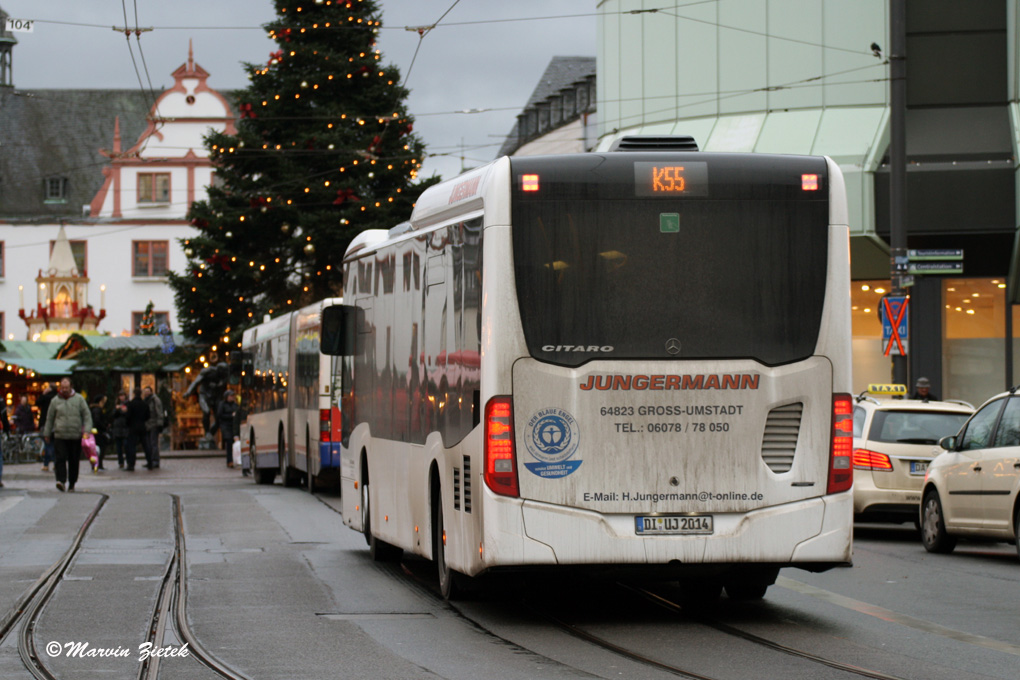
(673, 346)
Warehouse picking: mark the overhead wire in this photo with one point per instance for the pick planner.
(145, 66)
(127, 36)
(668, 10)
(455, 150)
(422, 32)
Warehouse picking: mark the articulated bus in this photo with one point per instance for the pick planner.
(630, 360)
(290, 418)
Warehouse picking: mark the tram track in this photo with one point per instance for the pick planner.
(676, 607)
(27, 610)
(417, 572)
(51, 576)
(701, 618)
(168, 617)
(180, 603)
(659, 601)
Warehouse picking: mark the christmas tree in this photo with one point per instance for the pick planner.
(324, 149)
(147, 324)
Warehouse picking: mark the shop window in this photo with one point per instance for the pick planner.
(149, 258)
(154, 187)
(869, 362)
(973, 350)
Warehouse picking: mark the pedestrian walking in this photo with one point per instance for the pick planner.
(43, 403)
(24, 420)
(137, 414)
(67, 419)
(119, 427)
(154, 425)
(101, 429)
(226, 413)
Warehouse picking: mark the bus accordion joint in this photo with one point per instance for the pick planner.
(500, 453)
(841, 473)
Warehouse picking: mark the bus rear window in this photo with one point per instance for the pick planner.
(626, 278)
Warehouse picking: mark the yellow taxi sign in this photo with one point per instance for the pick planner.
(890, 390)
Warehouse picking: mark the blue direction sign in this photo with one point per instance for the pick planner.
(895, 325)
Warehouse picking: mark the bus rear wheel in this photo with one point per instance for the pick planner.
(453, 585)
(746, 591)
(699, 594)
(752, 585)
(262, 476)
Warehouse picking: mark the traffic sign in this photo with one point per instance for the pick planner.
(895, 325)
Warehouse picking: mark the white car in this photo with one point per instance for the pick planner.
(971, 487)
(894, 441)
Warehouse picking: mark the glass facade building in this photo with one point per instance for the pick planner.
(779, 76)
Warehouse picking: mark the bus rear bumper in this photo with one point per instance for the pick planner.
(329, 455)
(815, 534)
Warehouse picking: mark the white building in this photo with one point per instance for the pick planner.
(122, 208)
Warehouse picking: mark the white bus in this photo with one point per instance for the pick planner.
(623, 359)
(290, 419)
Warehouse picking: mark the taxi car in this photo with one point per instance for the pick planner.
(971, 486)
(894, 441)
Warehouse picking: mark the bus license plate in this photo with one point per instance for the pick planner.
(673, 525)
(918, 467)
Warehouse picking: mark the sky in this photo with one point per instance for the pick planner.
(483, 55)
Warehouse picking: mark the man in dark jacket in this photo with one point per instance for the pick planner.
(43, 402)
(24, 420)
(119, 428)
(137, 414)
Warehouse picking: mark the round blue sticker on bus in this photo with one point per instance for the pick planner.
(552, 438)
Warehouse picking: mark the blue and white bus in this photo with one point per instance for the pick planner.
(291, 419)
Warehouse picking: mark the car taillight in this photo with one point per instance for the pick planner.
(500, 455)
(841, 473)
(871, 460)
(324, 425)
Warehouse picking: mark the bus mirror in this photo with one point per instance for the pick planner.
(236, 368)
(338, 330)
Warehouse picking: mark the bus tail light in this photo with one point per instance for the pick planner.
(324, 425)
(500, 454)
(871, 460)
(841, 472)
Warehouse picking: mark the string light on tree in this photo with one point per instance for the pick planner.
(302, 156)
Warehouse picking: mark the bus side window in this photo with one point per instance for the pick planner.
(339, 327)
